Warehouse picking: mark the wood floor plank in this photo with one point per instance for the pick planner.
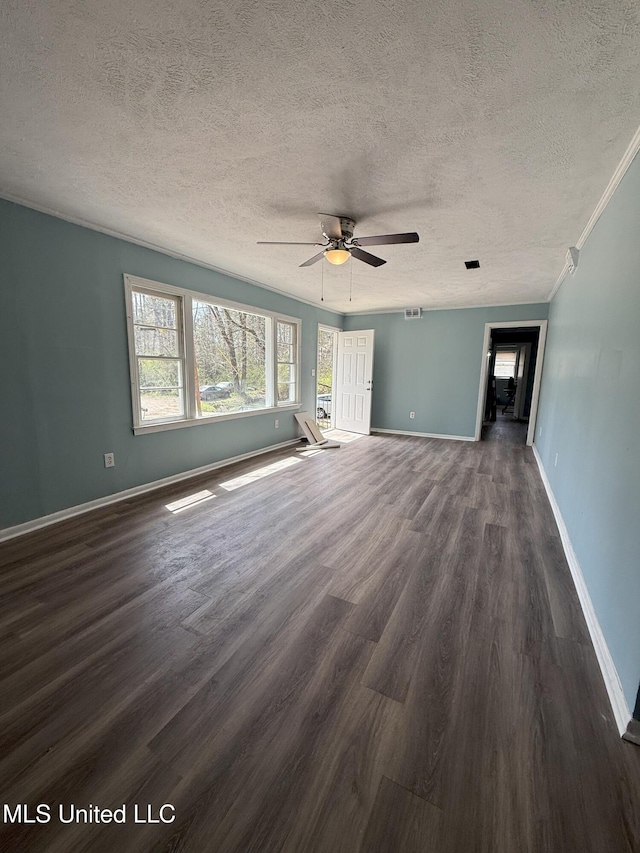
(344, 771)
(61, 716)
(401, 821)
(394, 662)
(370, 617)
(326, 771)
(48, 671)
(270, 735)
(265, 679)
(437, 681)
(496, 779)
(356, 574)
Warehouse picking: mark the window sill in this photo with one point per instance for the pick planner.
(162, 426)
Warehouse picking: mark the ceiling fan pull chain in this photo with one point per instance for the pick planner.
(322, 291)
(350, 281)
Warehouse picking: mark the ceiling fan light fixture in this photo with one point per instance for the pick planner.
(337, 256)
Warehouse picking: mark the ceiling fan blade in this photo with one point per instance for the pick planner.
(368, 258)
(331, 227)
(387, 239)
(284, 243)
(313, 260)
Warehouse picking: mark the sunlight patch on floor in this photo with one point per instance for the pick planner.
(341, 435)
(190, 501)
(259, 473)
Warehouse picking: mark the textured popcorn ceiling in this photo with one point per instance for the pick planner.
(491, 128)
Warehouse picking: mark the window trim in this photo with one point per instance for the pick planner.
(186, 298)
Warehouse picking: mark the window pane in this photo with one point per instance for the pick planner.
(152, 341)
(285, 352)
(285, 342)
(161, 404)
(285, 333)
(229, 405)
(505, 366)
(230, 349)
(285, 373)
(159, 373)
(154, 310)
(286, 393)
(286, 383)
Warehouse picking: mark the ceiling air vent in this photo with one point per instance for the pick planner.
(412, 313)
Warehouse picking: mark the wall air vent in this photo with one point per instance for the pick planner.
(412, 313)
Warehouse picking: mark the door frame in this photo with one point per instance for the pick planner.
(512, 324)
(334, 355)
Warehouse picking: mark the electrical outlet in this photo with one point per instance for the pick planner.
(555, 462)
(313, 372)
(412, 414)
(277, 423)
(109, 460)
(540, 431)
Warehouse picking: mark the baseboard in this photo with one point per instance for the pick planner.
(423, 434)
(116, 497)
(619, 705)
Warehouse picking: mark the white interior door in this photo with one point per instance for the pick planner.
(354, 381)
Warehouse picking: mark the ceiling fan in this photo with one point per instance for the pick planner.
(340, 243)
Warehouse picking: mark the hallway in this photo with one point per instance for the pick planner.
(505, 429)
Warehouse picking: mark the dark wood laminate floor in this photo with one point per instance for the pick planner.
(376, 648)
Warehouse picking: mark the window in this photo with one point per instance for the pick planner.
(505, 367)
(287, 361)
(159, 352)
(195, 359)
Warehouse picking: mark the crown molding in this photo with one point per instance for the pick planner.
(447, 308)
(618, 175)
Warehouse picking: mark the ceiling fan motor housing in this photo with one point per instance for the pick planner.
(347, 226)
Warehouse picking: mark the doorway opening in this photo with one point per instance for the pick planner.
(510, 381)
(326, 375)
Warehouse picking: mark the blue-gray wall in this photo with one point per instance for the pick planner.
(66, 396)
(431, 366)
(590, 416)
